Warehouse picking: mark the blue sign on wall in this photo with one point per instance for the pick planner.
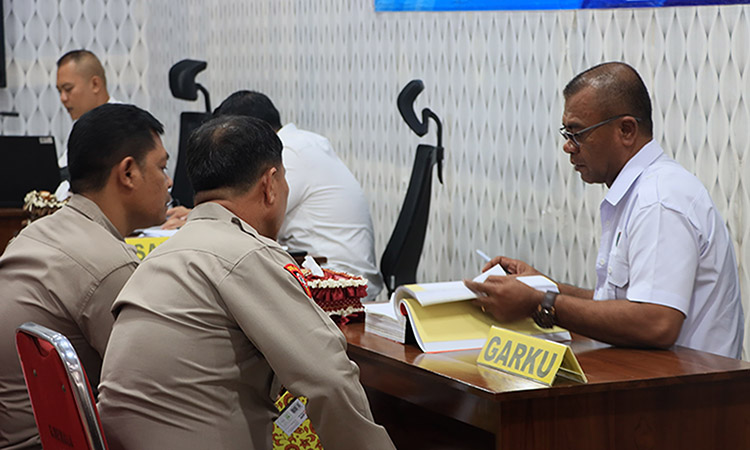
(486, 5)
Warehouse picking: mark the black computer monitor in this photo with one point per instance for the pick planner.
(3, 71)
(27, 163)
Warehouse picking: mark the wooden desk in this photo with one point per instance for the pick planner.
(635, 399)
(10, 224)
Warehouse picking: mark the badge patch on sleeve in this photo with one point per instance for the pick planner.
(297, 273)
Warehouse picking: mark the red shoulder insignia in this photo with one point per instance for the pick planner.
(297, 273)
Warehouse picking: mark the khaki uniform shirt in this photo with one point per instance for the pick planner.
(64, 272)
(206, 331)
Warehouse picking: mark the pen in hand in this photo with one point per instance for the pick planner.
(483, 255)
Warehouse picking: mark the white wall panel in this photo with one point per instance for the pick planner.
(335, 67)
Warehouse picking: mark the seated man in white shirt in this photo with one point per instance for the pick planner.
(327, 213)
(666, 269)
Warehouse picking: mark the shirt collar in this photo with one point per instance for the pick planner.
(288, 128)
(91, 210)
(214, 211)
(632, 170)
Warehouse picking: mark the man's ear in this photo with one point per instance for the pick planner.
(96, 83)
(628, 130)
(270, 193)
(126, 171)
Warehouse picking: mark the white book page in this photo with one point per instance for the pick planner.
(540, 283)
(495, 270)
(434, 293)
(448, 291)
(382, 309)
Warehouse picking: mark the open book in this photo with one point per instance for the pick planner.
(442, 317)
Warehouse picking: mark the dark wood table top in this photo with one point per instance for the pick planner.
(13, 213)
(11, 221)
(607, 368)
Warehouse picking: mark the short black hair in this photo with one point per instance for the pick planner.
(251, 104)
(231, 152)
(620, 90)
(103, 137)
(86, 61)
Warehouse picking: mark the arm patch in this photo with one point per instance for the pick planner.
(297, 273)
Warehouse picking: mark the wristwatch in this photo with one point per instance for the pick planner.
(544, 316)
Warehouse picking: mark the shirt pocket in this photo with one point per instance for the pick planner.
(618, 275)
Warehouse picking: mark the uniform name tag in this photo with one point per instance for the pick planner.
(529, 357)
(145, 245)
(291, 417)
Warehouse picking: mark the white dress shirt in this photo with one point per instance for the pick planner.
(664, 242)
(327, 213)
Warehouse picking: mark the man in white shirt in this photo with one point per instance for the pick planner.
(666, 269)
(82, 85)
(327, 213)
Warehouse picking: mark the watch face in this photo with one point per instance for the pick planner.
(544, 317)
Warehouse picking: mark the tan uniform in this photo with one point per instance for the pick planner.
(64, 272)
(206, 331)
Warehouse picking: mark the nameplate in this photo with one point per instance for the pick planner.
(145, 245)
(530, 357)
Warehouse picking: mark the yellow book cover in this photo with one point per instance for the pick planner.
(460, 325)
(443, 318)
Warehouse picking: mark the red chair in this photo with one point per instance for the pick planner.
(61, 397)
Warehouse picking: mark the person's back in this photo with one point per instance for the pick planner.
(65, 270)
(327, 213)
(199, 370)
(219, 317)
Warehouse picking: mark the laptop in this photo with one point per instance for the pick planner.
(27, 163)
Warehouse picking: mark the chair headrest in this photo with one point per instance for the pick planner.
(182, 78)
(405, 104)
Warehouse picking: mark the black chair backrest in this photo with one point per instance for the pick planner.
(401, 256)
(183, 86)
(182, 190)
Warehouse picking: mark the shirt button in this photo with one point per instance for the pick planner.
(609, 270)
(601, 262)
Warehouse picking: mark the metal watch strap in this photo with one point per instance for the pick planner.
(544, 316)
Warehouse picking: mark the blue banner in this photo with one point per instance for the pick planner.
(489, 5)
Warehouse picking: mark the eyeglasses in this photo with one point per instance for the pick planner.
(573, 137)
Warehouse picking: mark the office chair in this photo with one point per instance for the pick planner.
(183, 86)
(61, 397)
(401, 256)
